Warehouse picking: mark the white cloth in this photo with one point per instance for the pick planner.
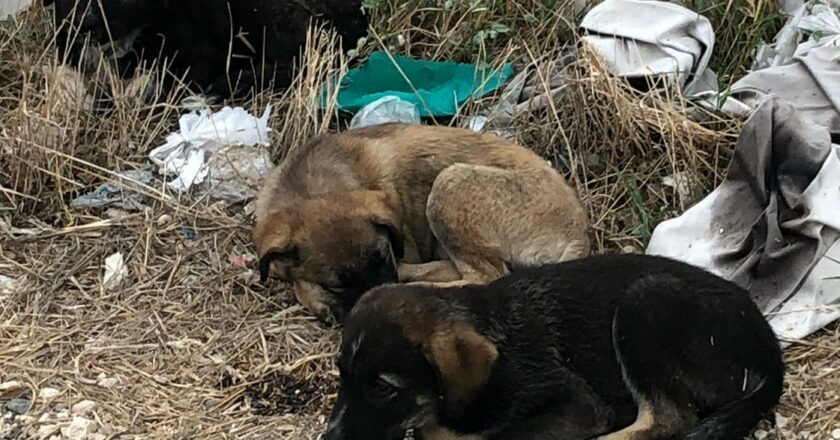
(638, 38)
(773, 225)
(12, 7)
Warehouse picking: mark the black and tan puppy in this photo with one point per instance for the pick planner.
(387, 203)
(624, 347)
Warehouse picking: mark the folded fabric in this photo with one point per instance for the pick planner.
(772, 226)
(639, 38)
(811, 24)
(811, 83)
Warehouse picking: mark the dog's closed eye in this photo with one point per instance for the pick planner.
(387, 385)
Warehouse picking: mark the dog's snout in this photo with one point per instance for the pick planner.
(335, 427)
(334, 434)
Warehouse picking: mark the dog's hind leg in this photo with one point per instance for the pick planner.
(691, 349)
(489, 219)
(435, 271)
(655, 421)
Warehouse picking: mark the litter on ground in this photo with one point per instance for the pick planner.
(436, 88)
(226, 147)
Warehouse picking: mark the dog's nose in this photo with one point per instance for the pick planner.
(333, 434)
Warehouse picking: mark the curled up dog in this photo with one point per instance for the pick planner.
(347, 212)
(624, 347)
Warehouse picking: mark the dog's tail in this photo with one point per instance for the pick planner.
(736, 419)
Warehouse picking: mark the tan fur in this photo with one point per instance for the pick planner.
(463, 358)
(467, 205)
(658, 420)
(438, 433)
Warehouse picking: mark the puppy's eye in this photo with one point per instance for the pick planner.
(336, 290)
(381, 388)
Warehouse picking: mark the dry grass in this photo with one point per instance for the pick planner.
(189, 345)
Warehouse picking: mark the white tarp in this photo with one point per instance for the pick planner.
(773, 225)
(639, 38)
(12, 7)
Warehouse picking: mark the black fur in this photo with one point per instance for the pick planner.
(195, 35)
(685, 338)
(276, 254)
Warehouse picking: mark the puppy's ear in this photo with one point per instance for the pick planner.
(273, 254)
(463, 359)
(394, 236)
(376, 206)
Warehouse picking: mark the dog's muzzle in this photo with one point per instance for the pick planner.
(335, 426)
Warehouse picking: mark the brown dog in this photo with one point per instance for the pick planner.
(350, 211)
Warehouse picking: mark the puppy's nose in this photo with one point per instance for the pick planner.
(333, 434)
(335, 426)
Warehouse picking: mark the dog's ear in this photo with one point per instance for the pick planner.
(273, 254)
(463, 360)
(379, 210)
(394, 236)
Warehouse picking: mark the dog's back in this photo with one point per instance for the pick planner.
(404, 161)
(670, 329)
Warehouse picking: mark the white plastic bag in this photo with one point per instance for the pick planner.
(205, 141)
(384, 110)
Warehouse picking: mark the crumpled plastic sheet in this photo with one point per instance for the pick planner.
(643, 38)
(385, 110)
(773, 224)
(436, 88)
(813, 24)
(533, 88)
(225, 149)
(114, 193)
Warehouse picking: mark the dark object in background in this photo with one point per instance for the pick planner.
(219, 44)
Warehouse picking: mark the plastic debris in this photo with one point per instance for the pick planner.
(384, 110)
(224, 148)
(436, 88)
(533, 88)
(813, 24)
(7, 286)
(115, 271)
(476, 123)
(681, 182)
(240, 261)
(187, 233)
(18, 406)
(112, 193)
(790, 229)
